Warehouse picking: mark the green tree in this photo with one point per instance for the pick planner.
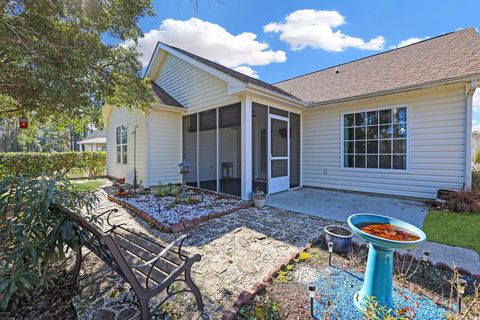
(54, 65)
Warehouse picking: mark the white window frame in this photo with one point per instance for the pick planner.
(377, 170)
(122, 144)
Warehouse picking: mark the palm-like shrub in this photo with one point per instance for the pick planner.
(33, 239)
(464, 201)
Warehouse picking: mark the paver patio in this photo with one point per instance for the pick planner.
(237, 250)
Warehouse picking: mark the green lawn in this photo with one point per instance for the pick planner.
(88, 185)
(455, 229)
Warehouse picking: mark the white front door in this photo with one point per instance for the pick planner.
(279, 152)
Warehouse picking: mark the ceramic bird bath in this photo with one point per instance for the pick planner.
(379, 270)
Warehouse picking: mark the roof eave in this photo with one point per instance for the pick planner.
(425, 85)
(251, 88)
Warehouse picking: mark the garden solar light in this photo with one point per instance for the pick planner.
(461, 285)
(425, 256)
(311, 294)
(330, 250)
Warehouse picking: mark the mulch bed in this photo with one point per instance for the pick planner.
(171, 217)
(54, 303)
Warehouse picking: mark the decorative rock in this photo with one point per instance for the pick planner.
(230, 314)
(188, 224)
(197, 221)
(127, 314)
(245, 296)
(177, 227)
(258, 287)
(104, 314)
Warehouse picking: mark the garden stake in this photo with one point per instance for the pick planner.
(330, 251)
(461, 285)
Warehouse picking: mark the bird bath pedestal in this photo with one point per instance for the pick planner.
(379, 270)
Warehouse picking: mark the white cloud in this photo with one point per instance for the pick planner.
(315, 28)
(213, 42)
(247, 70)
(407, 42)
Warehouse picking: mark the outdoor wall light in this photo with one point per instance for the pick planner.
(330, 251)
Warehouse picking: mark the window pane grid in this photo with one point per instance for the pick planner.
(121, 139)
(375, 139)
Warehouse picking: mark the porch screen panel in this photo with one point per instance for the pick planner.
(259, 147)
(207, 151)
(190, 147)
(294, 150)
(230, 149)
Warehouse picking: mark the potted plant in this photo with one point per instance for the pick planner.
(340, 236)
(259, 198)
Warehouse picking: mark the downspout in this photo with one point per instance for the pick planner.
(469, 91)
(147, 149)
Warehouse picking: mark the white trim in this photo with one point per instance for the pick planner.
(162, 106)
(147, 148)
(272, 158)
(376, 170)
(470, 90)
(246, 147)
(235, 85)
(121, 145)
(217, 141)
(407, 89)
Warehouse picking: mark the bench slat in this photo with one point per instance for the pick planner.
(139, 252)
(141, 273)
(151, 244)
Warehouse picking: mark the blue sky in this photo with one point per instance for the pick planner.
(277, 40)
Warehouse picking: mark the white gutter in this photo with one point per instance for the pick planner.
(393, 91)
(469, 91)
(251, 88)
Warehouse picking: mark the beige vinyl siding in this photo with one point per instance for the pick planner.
(436, 146)
(118, 117)
(164, 147)
(191, 86)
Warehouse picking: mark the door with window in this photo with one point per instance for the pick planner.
(279, 153)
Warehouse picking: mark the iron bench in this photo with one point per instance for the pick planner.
(149, 265)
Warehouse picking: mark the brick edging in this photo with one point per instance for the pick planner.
(179, 226)
(246, 295)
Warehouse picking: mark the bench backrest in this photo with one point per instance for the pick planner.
(92, 237)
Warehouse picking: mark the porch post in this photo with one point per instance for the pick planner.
(246, 141)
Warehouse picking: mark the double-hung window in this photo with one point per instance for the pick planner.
(375, 139)
(121, 139)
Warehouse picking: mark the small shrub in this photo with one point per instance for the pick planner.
(464, 201)
(33, 237)
(163, 191)
(94, 163)
(476, 180)
(58, 164)
(189, 200)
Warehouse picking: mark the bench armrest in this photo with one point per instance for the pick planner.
(152, 261)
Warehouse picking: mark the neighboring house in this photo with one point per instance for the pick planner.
(95, 141)
(396, 123)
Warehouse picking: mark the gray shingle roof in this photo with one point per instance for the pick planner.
(450, 56)
(164, 97)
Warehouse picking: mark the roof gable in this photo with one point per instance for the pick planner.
(236, 80)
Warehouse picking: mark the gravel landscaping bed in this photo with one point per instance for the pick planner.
(174, 212)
